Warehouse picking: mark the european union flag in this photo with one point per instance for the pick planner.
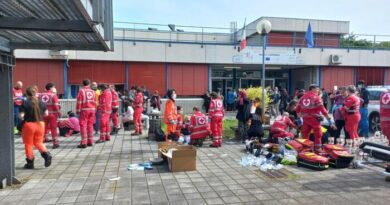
(309, 38)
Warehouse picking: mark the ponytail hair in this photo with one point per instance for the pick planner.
(31, 95)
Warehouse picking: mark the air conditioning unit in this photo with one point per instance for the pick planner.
(59, 54)
(335, 59)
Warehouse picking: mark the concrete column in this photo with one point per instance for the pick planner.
(7, 152)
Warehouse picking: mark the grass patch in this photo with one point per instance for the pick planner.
(227, 131)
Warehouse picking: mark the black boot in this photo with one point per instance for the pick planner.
(113, 131)
(29, 164)
(47, 157)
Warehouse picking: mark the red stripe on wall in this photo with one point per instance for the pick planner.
(188, 79)
(151, 75)
(40, 72)
(110, 72)
(337, 76)
(371, 75)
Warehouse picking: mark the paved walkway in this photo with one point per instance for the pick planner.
(81, 176)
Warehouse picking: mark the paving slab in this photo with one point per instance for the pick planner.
(82, 176)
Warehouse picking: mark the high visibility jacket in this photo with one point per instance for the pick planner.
(97, 94)
(199, 126)
(115, 99)
(138, 101)
(281, 124)
(351, 105)
(51, 101)
(105, 102)
(86, 100)
(18, 95)
(170, 111)
(385, 107)
(310, 105)
(216, 108)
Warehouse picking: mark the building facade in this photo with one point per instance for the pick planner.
(193, 62)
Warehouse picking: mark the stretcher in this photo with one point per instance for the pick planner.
(312, 161)
(378, 152)
(339, 157)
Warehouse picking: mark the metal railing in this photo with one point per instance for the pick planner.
(186, 103)
(230, 36)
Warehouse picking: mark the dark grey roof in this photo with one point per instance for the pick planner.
(57, 24)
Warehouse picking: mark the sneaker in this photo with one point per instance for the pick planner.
(55, 146)
(89, 144)
(99, 141)
(82, 146)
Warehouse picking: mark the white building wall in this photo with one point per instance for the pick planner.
(216, 54)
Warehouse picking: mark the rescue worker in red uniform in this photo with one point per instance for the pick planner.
(199, 127)
(51, 101)
(18, 101)
(281, 125)
(170, 115)
(351, 112)
(104, 108)
(312, 110)
(385, 114)
(216, 113)
(115, 110)
(179, 125)
(138, 109)
(86, 109)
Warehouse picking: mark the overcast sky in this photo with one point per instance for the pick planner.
(365, 16)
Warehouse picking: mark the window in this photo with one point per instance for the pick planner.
(375, 94)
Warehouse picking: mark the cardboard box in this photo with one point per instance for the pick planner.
(183, 159)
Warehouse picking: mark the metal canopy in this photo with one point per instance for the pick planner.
(44, 24)
(57, 24)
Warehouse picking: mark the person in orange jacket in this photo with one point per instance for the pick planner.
(51, 101)
(138, 109)
(170, 115)
(351, 112)
(311, 109)
(216, 113)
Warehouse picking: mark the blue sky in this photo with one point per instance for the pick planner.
(365, 16)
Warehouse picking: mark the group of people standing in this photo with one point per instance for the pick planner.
(197, 126)
(37, 114)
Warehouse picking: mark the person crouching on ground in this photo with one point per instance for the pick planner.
(32, 112)
(216, 113)
(128, 115)
(199, 127)
(281, 125)
(105, 109)
(69, 126)
(170, 115)
(185, 137)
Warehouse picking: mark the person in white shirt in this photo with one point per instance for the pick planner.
(127, 116)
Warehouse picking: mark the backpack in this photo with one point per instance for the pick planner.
(159, 134)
